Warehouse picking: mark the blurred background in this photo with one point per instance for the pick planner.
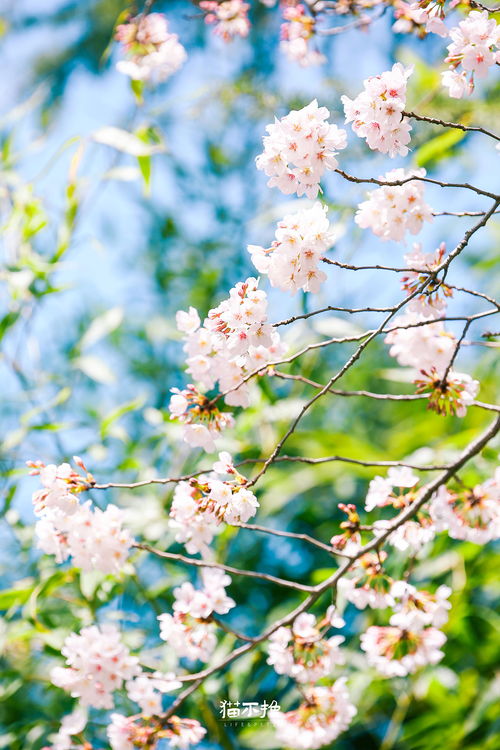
(99, 249)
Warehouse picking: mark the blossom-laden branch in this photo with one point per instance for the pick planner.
(235, 343)
(331, 582)
(404, 181)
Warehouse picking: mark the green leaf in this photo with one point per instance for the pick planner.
(128, 143)
(438, 148)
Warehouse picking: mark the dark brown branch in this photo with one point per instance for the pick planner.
(456, 125)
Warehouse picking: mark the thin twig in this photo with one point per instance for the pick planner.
(221, 566)
(456, 125)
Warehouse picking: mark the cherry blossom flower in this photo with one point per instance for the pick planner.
(191, 523)
(202, 420)
(98, 663)
(416, 342)
(147, 689)
(450, 395)
(415, 609)
(414, 17)
(326, 713)
(397, 652)
(410, 535)
(368, 584)
(380, 490)
(376, 113)
(129, 732)
(152, 51)
(299, 148)
(302, 653)
(297, 34)
(392, 211)
(471, 515)
(301, 239)
(189, 630)
(235, 339)
(71, 725)
(94, 538)
(429, 303)
(475, 47)
(349, 541)
(121, 732)
(229, 16)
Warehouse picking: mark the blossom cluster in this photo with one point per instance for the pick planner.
(412, 640)
(299, 148)
(130, 732)
(475, 47)
(397, 652)
(297, 35)
(377, 112)
(393, 210)
(419, 278)
(229, 17)
(152, 52)
(412, 534)
(302, 653)
(325, 713)
(98, 664)
(200, 505)
(415, 17)
(368, 585)
(469, 514)
(94, 538)
(301, 240)
(190, 631)
(235, 339)
(418, 339)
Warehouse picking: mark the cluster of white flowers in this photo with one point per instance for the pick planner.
(472, 515)
(414, 609)
(410, 535)
(368, 585)
(420, 341)
(189, 631)
(412, 640)
(297, 34)
(235, 339)
(475, 48)
(302, 653)
(325, 713)
(299, 148)
(94, 538)
(128, 733)
(376, 113)
(452, 395)
(152, 51)
(429, 303)
(416, 341)
(71, 725)
(191, 523)
(412, 16)
(396, 651)
(229, 16)
(381, 489)
(301, 240)
(98, 663)
(200, 505)
(147, 689)
(391, 211)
